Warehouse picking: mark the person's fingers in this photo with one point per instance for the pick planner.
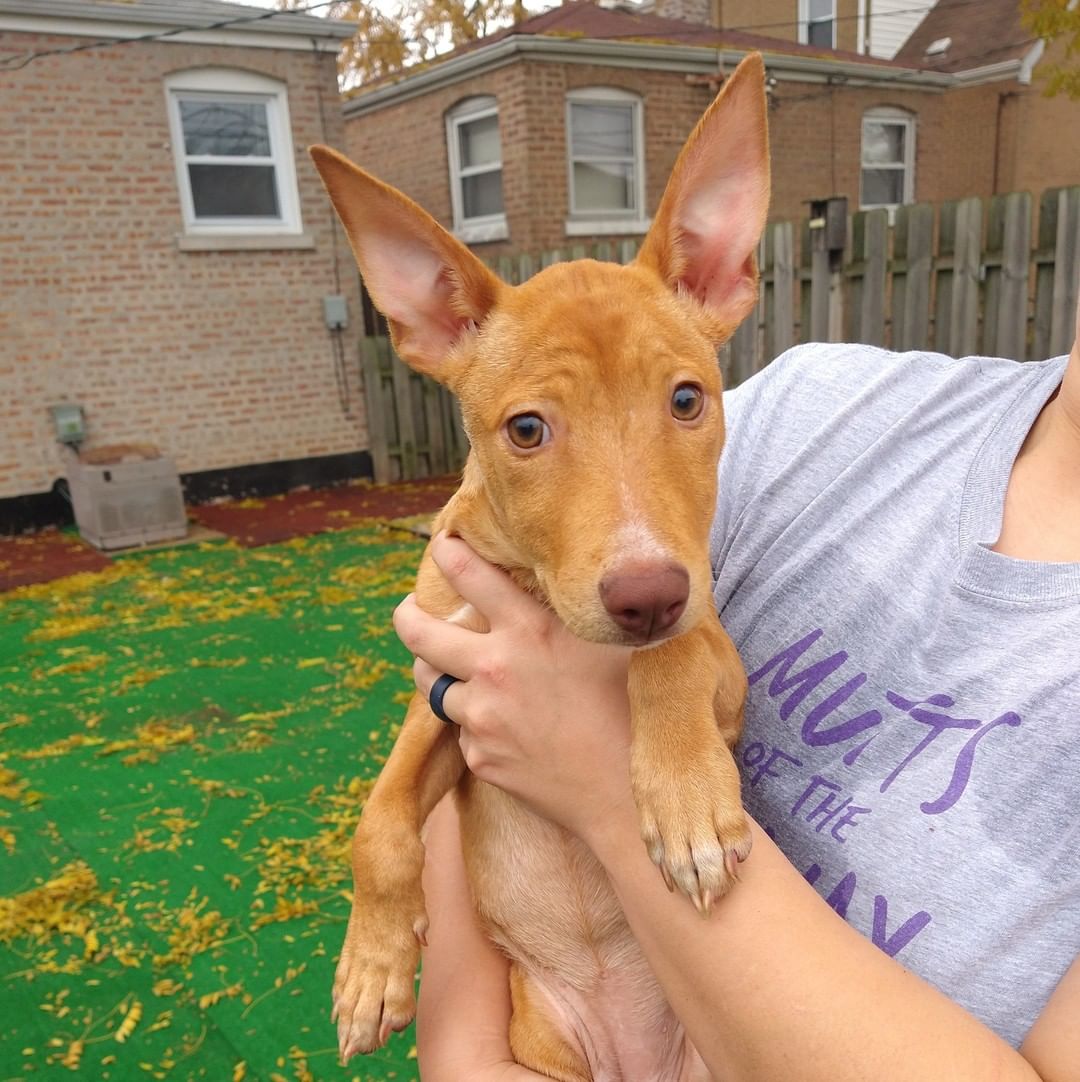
(425, 675)
(448, 647)
(491, 591)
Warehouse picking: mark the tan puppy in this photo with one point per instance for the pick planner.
(591, 397)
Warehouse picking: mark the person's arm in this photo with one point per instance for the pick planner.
(463, 1016)
(775, 986)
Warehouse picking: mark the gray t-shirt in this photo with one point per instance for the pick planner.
(912, 738)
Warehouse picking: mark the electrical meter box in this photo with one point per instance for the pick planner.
(126, 496)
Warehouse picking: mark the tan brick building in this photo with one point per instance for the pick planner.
(571, 121)
(167, 246)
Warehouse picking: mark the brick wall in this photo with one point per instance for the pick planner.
(1043, 150)
(220, 357)
(815, 130)
(531, 98)
(816, 135)
(779, 19)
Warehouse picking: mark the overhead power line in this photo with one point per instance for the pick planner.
(15, 63)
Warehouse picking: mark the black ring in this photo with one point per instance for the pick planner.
(435, 697)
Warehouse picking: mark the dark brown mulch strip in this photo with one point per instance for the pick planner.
(296, 514)
(44, 556)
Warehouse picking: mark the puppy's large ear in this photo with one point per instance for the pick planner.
(705, 234)
(430, 287)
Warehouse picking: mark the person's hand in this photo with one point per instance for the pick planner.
(542, 714)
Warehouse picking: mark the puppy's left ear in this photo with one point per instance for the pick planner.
(706, 230)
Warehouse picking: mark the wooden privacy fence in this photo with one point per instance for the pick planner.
(968, 277)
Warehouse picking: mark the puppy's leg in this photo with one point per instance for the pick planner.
(534, 1039)
(686, 701)
(373, 985)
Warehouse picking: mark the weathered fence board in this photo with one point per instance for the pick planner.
(931, 281)
(868, 277)
(1008, 254)
(913, 260)
(377, 412)
(778, 285)
(1066, 268)
(958, 275)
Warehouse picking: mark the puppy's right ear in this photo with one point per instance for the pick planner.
(431, 288)
(706, 229)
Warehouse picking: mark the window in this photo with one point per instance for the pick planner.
(475, 153)
(604, 135)
(817, 23)
(888, 158)
(233, 152)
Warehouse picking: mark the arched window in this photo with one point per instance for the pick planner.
(232, 145)
(605, 150)
(888, 158)
(474, 150)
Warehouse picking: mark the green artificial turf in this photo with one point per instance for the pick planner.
(186, 739)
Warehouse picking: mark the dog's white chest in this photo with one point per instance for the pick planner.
(551, 909)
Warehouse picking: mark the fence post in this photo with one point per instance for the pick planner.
(1066, 272)
(401, 382)
(913, 258)
(957, 309)
(779, 289)
(870, 234)
(378, 437)
(1008, 254)
(815, 290)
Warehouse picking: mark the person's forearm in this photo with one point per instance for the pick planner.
(463, 1021)
(776, 986)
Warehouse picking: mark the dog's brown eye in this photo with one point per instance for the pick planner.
(527, 431)
(687, 401)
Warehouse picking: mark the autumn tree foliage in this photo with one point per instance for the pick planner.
(1058, 21)
(391, 36)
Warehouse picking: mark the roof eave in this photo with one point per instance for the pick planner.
(989, 73)
(113, 21)
(690, 59)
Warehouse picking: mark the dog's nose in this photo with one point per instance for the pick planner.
(646, 599)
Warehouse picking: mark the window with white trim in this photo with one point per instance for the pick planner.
(605, 139)
(475, 155)
(887, 176)
(233, 151)
(817, 23)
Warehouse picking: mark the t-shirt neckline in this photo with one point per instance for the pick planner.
(981, 570)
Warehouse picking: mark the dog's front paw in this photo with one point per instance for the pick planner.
(693, 825)
(373, 985)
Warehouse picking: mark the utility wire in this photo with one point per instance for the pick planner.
(15, 63)
(872, 17)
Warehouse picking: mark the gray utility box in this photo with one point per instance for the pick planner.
(126, 496)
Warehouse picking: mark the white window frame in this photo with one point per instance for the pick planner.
(485, 227)
(804, 22)
(241, 86)
(901, 118)
(622, 221)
